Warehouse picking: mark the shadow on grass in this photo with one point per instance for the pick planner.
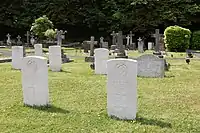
(153, 122)
(64, 71)
(169, 76)
(145, 121)
(49, 108)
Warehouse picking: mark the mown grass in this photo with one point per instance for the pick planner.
(78, 99)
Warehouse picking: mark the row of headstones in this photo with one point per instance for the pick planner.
(121, 84)
(55, 59)
(149, 65)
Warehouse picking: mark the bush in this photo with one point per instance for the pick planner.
(41, 25)
(50, 34)
(177, 38)
(195, 42)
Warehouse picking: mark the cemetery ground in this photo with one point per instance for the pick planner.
(78, 102)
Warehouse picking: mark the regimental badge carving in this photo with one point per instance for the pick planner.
(122, 69)
(32, 65)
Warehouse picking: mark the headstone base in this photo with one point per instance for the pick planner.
(125, 57)
(89, 59)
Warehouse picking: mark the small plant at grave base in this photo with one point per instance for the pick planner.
(50, 34)
(177, 39)
(195, 41)
(41, 25)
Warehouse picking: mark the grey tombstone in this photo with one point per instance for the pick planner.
(151, 66)
(9, 43)
(140, 45)
(157, 36)
(120, 45)
(114, 38)
(101, 42)
(132, 45)
(150, 45)
(122, 88)
(105, 45)
(19, 42)
(27, 37)
(92, 46)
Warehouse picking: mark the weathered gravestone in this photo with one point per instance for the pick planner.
(122, 88)
(120, 46)
(140, 45)
(19, 42)
(132, 45)
(114, 38)
(35, 81)
(101, 56)
(151, 66)
(38, 50)
(157, 36)
(55, 60)
(17, 56)
(150, 45)
(91, 57)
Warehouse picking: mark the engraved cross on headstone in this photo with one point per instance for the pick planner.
(8, 40)
(92, 46)
(157, 36)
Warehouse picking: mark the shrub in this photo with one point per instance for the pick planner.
(50, 34)
(177, 38)
(41, 25)
(195, 42)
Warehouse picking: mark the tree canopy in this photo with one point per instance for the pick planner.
(83, 18)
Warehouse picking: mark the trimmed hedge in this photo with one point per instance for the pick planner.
(177, 39)
(195, 42)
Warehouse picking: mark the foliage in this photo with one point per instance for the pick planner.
(50, 34)
(177, 38)
(195, 41)
(41, 25)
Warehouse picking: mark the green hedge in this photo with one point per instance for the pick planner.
(195, 42)
(177, 38)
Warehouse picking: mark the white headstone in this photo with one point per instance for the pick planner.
(101, 56)
(55, 61)
(35, 81)
(122, 88)
(38, 50)
(17, 55)
(151, 66)
(150, 45)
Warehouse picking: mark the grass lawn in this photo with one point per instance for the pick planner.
(78, 98)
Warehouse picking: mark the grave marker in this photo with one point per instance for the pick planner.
(55, 60)
(122, 88)
(151, 66)
(17, 56)
(35, 81)
(140, 45)
(101, 56)
(38, 50)
(157, 36)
